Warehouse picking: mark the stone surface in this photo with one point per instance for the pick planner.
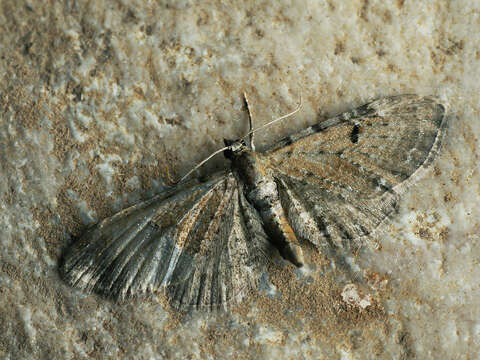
(103, 103)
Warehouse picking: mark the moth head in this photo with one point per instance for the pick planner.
(235, 147)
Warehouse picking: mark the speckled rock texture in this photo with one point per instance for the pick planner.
(104, 103)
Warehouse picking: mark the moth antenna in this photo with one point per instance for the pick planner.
(274, 121)
(204, 161)
(249, 134)
(250, 121)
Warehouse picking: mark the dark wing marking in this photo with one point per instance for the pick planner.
(204, 245)
(339, 179)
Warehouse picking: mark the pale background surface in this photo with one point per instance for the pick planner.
(101, 102)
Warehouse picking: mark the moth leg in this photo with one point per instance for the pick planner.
(250, 122)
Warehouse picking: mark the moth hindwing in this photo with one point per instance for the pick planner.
(207, 244)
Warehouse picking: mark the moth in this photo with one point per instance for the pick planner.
(205, 244)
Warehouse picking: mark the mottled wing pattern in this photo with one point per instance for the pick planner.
(204, 245)
(339, 179)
